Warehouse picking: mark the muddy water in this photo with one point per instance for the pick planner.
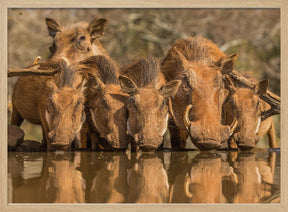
(162, 177)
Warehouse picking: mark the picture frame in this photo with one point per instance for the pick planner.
(6, 4)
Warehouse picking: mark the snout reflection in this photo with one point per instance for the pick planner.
(147, 180)
(156, 177)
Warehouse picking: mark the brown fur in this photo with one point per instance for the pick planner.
(31, 94)
(106, 104)
(196, 49)
(76, 42)
(145, 73)
(246, 106)
(147, 109)
(54, 103)
(200, 65)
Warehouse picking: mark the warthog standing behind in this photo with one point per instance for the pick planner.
(56, 105)
(106, 104)
(78, 41)
(147, 107)
(246, 106)
(200, 65)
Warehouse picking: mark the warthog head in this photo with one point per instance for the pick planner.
(78, 41)
(108, 113)
(65, 110)
(147, 111)
(204, 91)
(106, 102)
(245, 105)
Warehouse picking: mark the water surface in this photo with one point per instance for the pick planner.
(161, 177)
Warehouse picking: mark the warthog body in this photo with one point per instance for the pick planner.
(106, 104)
(200, 65)
(56, 105)
(147, 108)
(246, 106)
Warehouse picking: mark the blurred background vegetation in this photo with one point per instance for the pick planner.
(134, 33)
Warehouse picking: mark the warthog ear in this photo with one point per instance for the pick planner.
(229, 85)
(99, 85)
(97, 28)
(180, 57)
(171, 88)
(226, 64)
(127, 85)
(261, 87)
(53, 27)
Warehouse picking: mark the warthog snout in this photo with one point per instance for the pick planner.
(209, 137)
(147, 144)
(245, 143)
(58, 140)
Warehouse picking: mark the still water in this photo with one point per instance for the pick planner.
(161, 177)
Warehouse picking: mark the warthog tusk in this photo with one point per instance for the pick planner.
(186, 119)
(186, 186)
(233, 126)
(36, 61)
(66, 61)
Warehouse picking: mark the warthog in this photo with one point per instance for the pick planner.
(78, 41)
(200, 65)
(246, 106)
(147, 107)
(75, 43)
(106, 104)
(56, 105)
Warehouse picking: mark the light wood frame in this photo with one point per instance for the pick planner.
(6, 4)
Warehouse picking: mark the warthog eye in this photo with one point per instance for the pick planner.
(78, 102)
(232, 100)
(132, 103)
(105, 103)
(163, 104)
(82, 38)
(50, 109)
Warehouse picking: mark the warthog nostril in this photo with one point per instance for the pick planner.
(140, 143)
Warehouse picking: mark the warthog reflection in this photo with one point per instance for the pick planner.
(109, 177)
